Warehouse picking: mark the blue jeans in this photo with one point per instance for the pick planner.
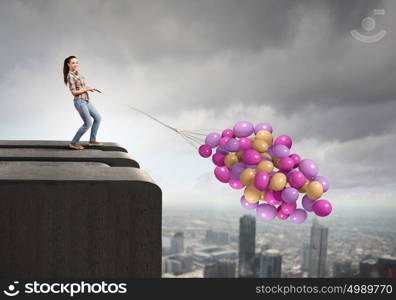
(85, 109)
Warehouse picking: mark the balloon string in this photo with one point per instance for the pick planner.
(155, 119)
(188, 136)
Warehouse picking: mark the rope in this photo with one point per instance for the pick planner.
(190, 137)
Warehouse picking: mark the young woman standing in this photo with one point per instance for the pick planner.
(76, 82)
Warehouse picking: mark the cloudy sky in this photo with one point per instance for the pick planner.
(206, 65)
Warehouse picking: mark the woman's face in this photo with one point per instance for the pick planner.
(73, 64)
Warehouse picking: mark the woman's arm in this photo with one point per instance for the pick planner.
(84, 90)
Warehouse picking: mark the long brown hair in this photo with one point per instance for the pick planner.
(66, 67)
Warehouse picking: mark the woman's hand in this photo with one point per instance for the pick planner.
(89, 89)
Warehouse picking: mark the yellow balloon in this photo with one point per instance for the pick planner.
(251, 194)
(314, 190)
(239, 155)
(260, 145)
(303, 189)
(265, 165)
(230, 159)
(276, 160)
(277, 182)
(265, 135)
(266, 155)
(247, 176)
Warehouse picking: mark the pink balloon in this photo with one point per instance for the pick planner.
(218, 159)
(281, 215)
(245, 144)
(236, 184)
(288, 208)
(222, 173)
(227, 133)
(270, 198)
(224, 140)
(296, 179)
(205, 151)
(322, 208)
(251, 156)
(283, 140)
(296, 158)
(286, 164)
(261, 180)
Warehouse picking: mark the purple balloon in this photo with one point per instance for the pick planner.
(236, 170)
(205, 151)
(324, 182)
(236, 184)
(218, 159)
(227, 133)
(261, 180)
(309, 168)
(251, 166)
(266, 212)
(232, 145)
(298, 216)
(307, 203)
(270, 151)
(288, 208)
(222, 174)
(247, 204)
(283, 140)
(322, 208)
(243, 129)
(251, 157)
(296, 179)
(245, 144)
(280, 151)
(221, 150)
(213, 139)
(286, 164)
(263, 126)
(289, 195)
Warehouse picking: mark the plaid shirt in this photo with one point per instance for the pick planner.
(76, 81)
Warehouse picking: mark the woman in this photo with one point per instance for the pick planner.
(84, 106)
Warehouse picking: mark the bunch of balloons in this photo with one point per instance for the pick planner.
(247, 157)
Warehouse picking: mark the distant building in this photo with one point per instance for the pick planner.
(368, 267)
(177, 243)
(305, 257)
(371, 266)
(177, 264)
(271, 264)
(212, 254)
(222, 269)
(343, 269)
(247, 244)
(387, 267)
(318, 250)
(216, 237)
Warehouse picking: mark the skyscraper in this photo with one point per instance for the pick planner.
(271, 264)
(247, 244)
(318, 250)
(223, 268)
(305, 257)
(177, 243)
